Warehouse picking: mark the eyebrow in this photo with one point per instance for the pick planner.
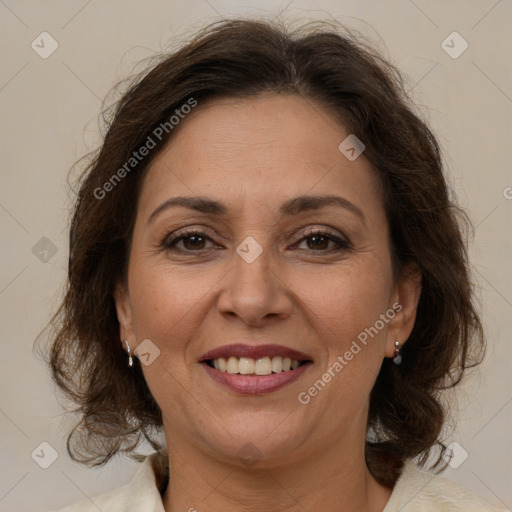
(288, 208)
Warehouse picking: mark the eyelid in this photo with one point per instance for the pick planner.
(172, 239)
(179, 234)
(317, 230)
(297, 235)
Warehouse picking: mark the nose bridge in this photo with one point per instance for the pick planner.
(254, 290)
(253, 278)
(253, 259)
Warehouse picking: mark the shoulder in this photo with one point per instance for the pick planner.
(141, 493)
(420, 491)
(113, 500)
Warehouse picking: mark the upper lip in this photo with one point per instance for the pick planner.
(254, 351)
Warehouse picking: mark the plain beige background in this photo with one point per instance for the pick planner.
(49, 119)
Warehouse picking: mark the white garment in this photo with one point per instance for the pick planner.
(415, 491)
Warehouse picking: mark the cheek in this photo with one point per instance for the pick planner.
(345, 310)
(167, 303)
(167, 307)
(346, 318)
(349, 300)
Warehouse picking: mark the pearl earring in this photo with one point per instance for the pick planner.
(130, 358)
(397, 359)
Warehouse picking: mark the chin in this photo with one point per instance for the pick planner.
(255, 445)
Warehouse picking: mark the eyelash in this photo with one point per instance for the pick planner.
(170, 243)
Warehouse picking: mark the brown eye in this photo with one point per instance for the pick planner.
(319, 241)
(191, 241)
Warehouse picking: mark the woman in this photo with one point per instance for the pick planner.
(265, 266)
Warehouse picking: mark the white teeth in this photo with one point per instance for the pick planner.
(249, 366)
(263, 366)
(245, 365)
(277, 364)
(232, 365)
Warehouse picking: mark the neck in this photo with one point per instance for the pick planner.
(331, 480)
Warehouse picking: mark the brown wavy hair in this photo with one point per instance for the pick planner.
(360, 88)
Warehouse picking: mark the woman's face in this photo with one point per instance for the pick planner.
(263, 268)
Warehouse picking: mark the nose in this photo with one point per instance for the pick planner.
(255, 292)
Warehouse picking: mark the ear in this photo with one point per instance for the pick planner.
(405, 299)
(124, 314)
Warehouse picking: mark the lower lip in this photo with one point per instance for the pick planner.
(256, 384)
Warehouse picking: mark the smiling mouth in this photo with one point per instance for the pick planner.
(255, 367)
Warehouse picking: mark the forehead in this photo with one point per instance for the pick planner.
(260, 150)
